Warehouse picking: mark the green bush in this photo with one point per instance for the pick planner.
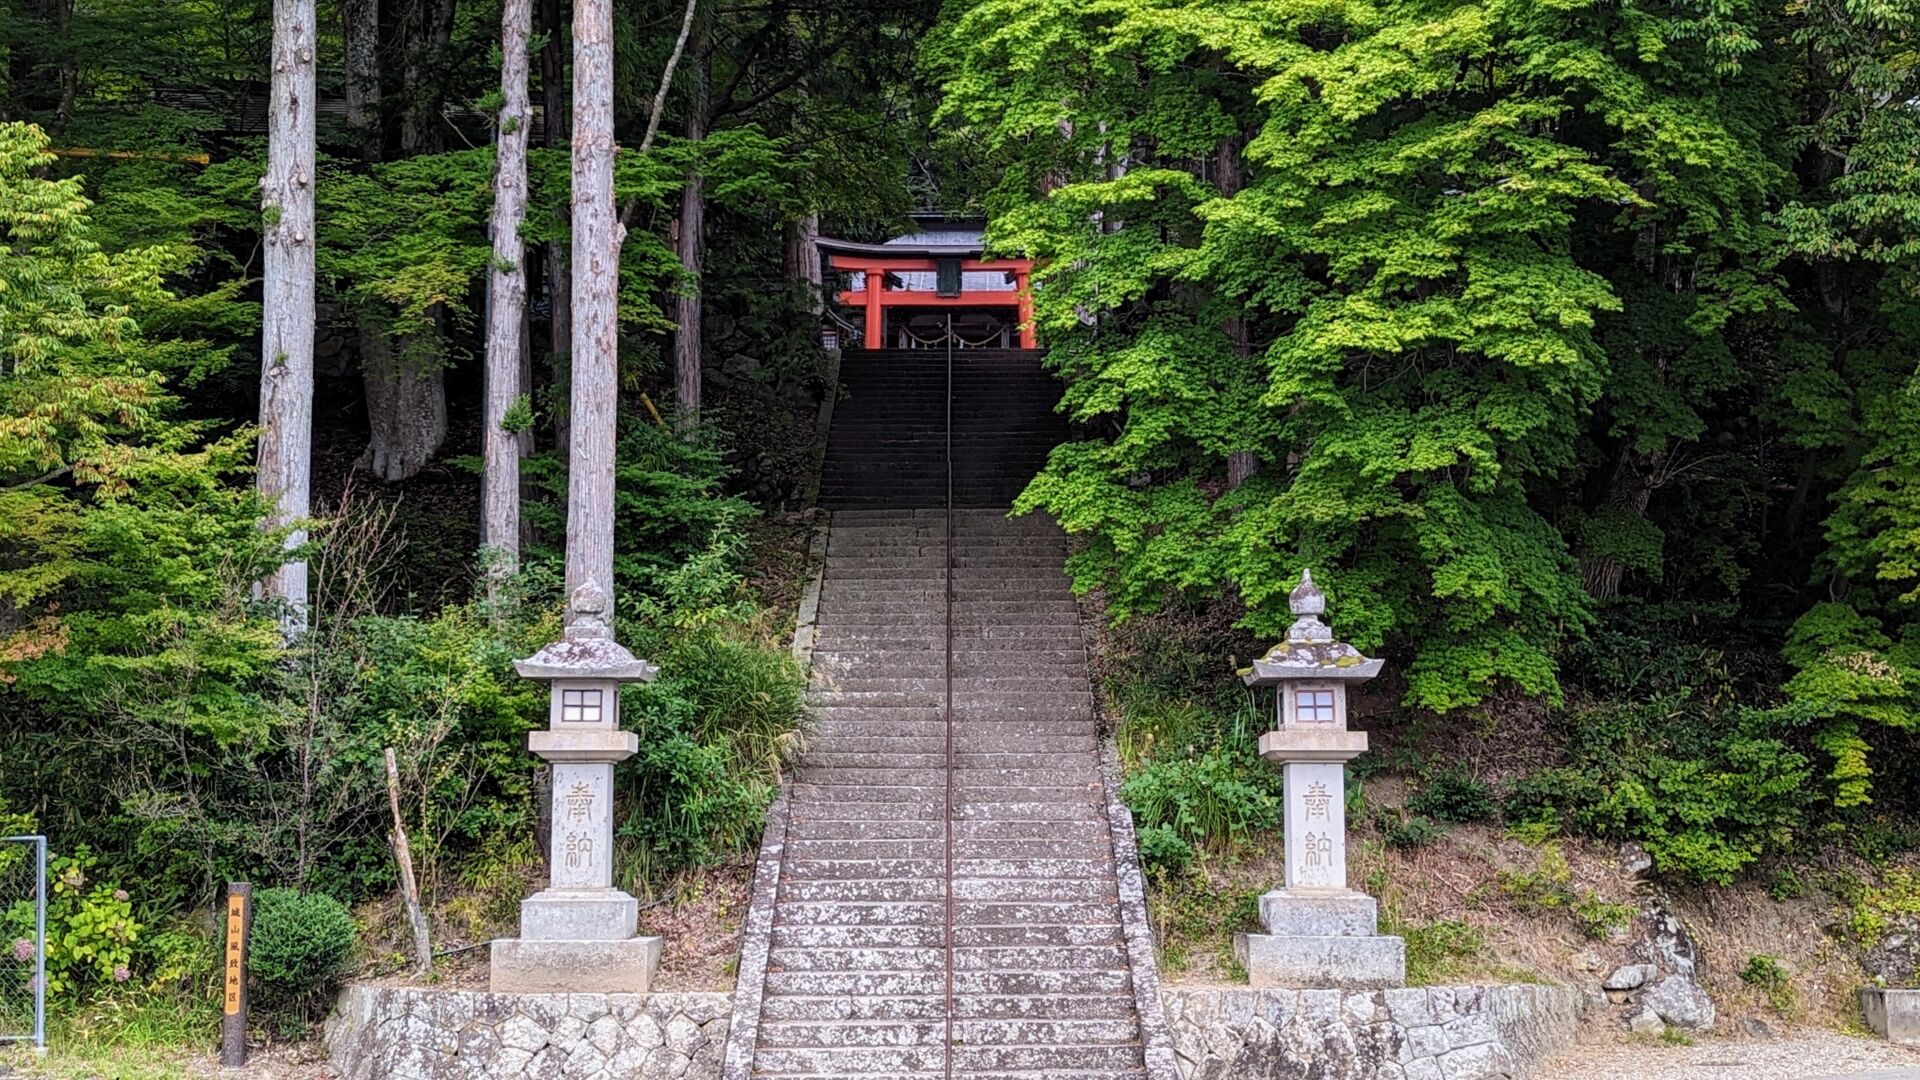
(1411, 832)
(299, 944)
(1454, 794)
(1211, 800)
(1163, 849)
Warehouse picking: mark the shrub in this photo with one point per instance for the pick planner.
(1163, 850)
(1766, 973)
(1410, 832)
(1454, 794)
(1210, 799)
(299, 945)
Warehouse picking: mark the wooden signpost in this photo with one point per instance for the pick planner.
(233, 1009)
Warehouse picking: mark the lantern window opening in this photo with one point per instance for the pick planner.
(580, 706)
(1313, 706)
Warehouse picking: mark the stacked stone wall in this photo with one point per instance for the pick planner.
(1422, 1033)
(377, 1033)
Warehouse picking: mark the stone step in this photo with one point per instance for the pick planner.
(1097, 868)
(851, 1061)
(842, 1033)
(1078, 934)
(932, 808)
(795, 1007)
(848, 960)
(859, 983)
(1043, 1006)
(1045, 1060)
(1041, 1032)
(993, 912)
(1017, 889)
(801, 826)
(863, 891)
(795, 912)
(1009, 983)
(867, 869)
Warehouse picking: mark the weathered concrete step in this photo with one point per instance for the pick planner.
(851, 796)
(1017, 889)
(851, 1061)
(831, 757)
(1093, 847)
(862, 891)
(1049, 958)
(794, 912)
(862, 936)
(1102, 934)
(854, 1008)
(988, 829)
(983, 745)
(803, 826)
(1044, 1060)
(1043, 1006)
(1042, 869)
(986, 801)
(1060, 774)
(858, 983)
(842, 1033)
(930, 809)
(912, 848)
(1027, 811)
(845, 960)
(1040, 1032)
(864, 869)
(997, 912)
(819, 746)
(998, 983)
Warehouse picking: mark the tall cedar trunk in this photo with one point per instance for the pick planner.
(596, 270)
(362, 46)
(287, 307)
(404, 379)
(1241, 464)
(506, 296)
(803, 258)
(690, 242)
(553, 91)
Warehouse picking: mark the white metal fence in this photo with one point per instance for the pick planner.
(23, 939)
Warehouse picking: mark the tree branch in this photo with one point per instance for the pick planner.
(666, 79)
(41, 479)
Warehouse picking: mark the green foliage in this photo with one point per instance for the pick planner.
(91, 930)
(1766, 973)
(1439, 951)
(1412, 832)
(1454, 794)
(298, 944)
(1213, 799)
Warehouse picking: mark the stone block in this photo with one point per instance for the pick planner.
(578, 915)
(1299, 913)
(1894, 1015)
(522, 966)
(1332, 963)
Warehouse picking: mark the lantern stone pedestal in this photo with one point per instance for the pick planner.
(1320, 934)
(577, 935)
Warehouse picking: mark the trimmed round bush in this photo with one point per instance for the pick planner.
(300, 942)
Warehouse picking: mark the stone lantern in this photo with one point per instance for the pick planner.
(577, 935)
(1320, 933)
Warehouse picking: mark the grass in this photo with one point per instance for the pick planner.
(128, 1037)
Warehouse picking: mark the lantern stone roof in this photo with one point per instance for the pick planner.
(1309, 651)
(588, 650)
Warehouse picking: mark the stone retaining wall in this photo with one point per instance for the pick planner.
(1433, 1033)
(1430, 1033)
(409, 1033)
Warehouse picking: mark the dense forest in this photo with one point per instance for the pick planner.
(1573, 346)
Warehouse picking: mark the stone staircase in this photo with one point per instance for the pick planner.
(947, 903)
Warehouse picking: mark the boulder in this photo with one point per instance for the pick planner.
(1630, 977)
(1681, 1002)
(1645, 1022)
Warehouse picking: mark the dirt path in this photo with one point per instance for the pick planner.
(1798, 1055)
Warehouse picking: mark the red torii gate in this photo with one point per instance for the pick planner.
(876, 261)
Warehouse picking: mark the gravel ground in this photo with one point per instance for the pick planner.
(1800, 1055)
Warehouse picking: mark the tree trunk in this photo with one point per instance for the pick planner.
(404, 379)
(803, 258)
(406, 402)
(596, 269)
(287, 306)
(690, 243)
(362, 47)
(506, 298)
(553, 91)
